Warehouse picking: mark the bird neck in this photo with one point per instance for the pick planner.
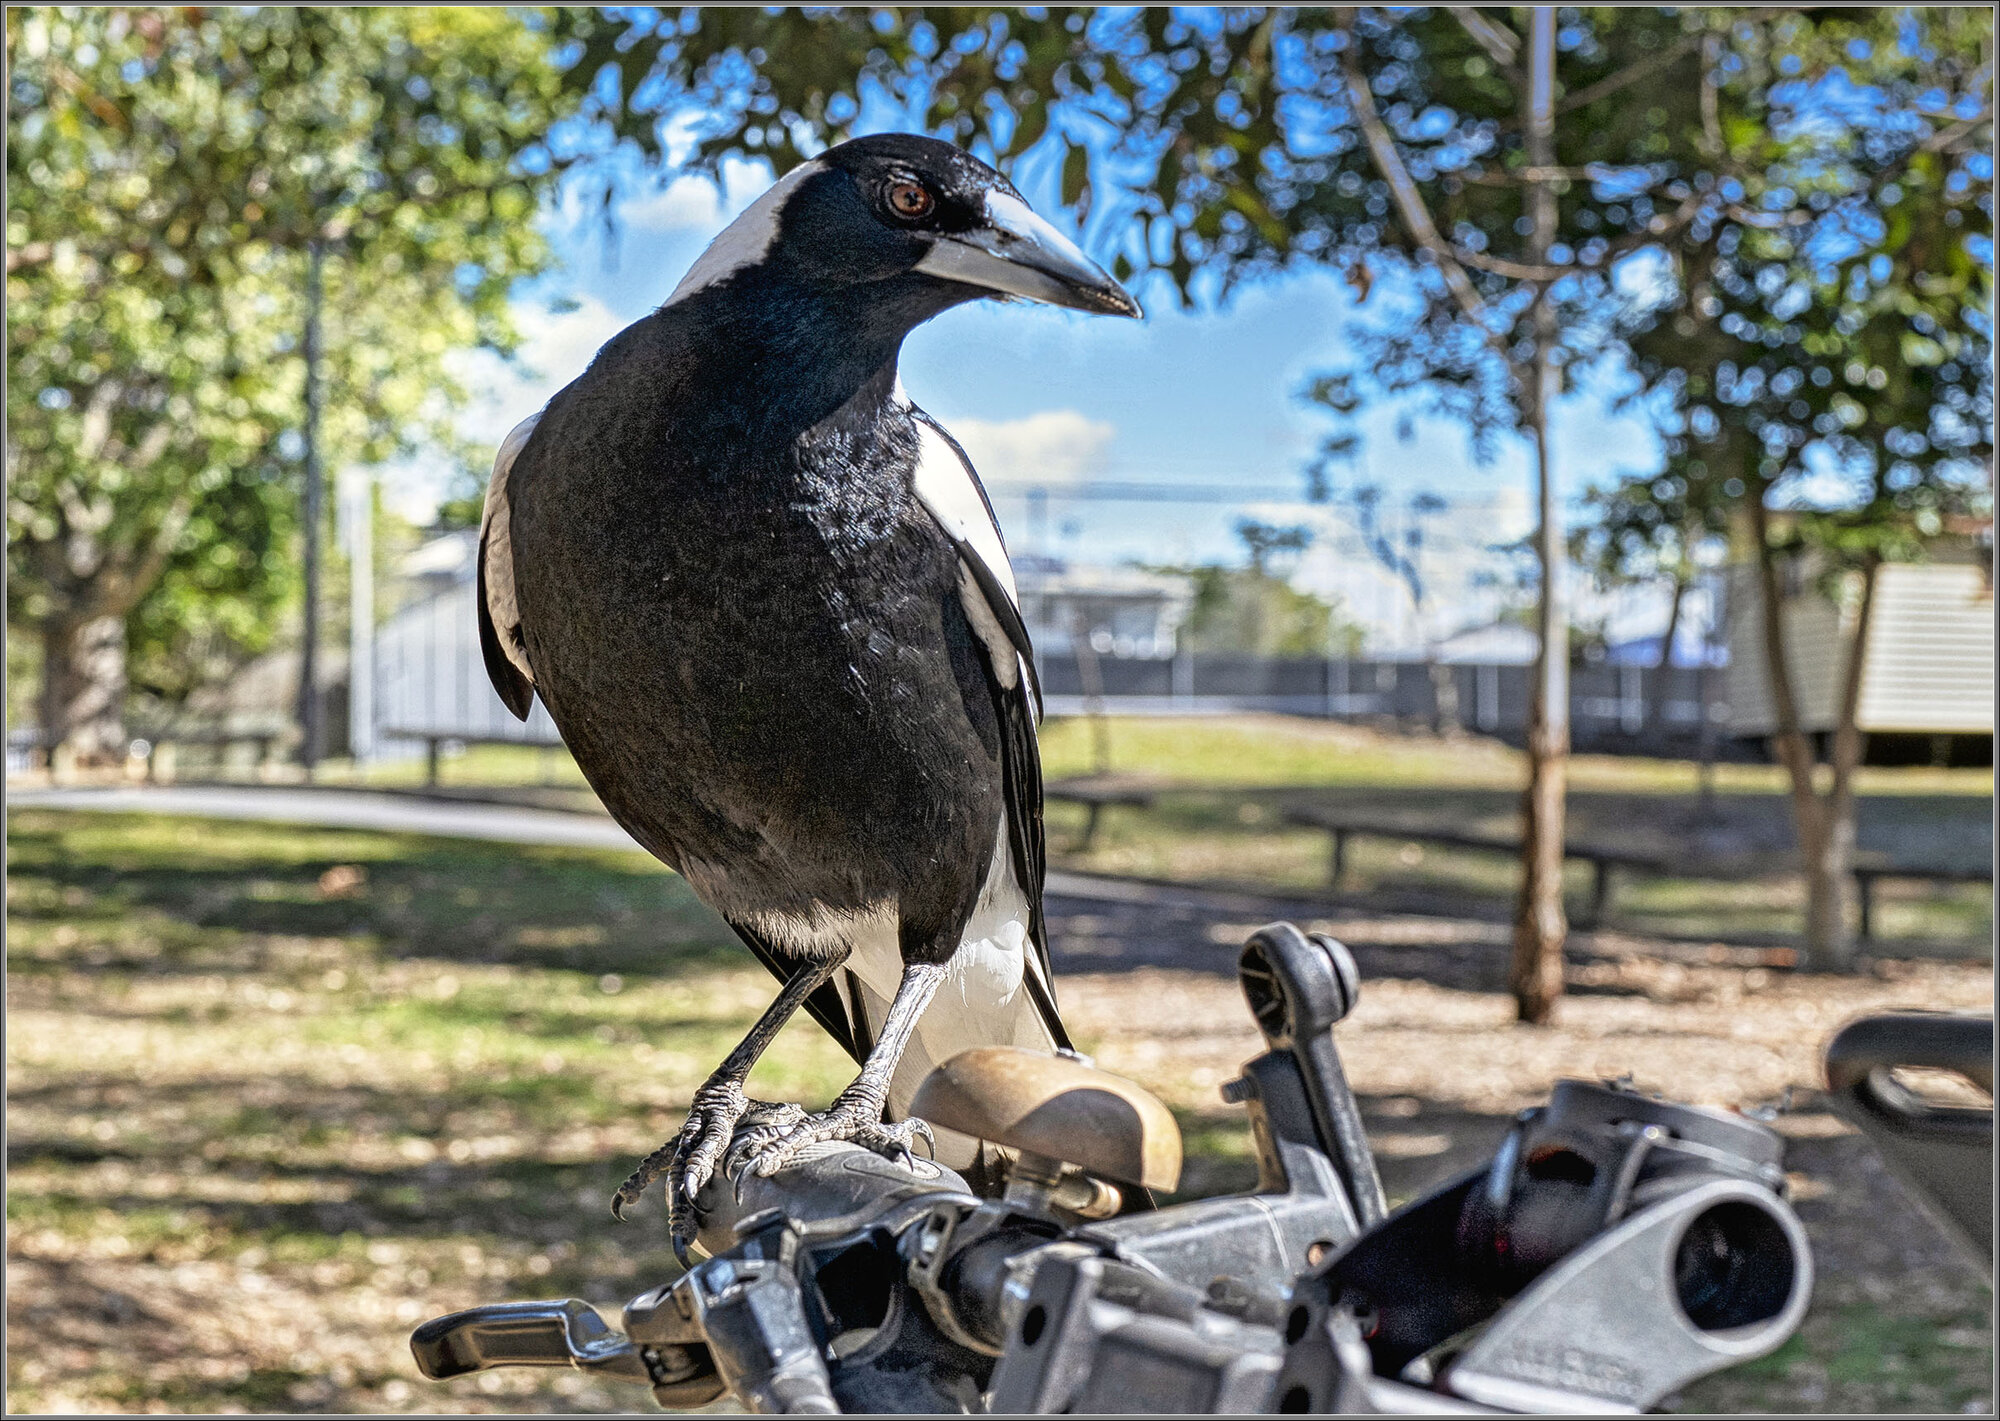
(783, 357)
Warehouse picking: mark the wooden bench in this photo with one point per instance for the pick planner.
(1095, 793)
(1604, 860)
(1870, 867)
(160, 749)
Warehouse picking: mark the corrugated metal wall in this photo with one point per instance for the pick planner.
(1930, 652)
(1929, 659)
(431, 680)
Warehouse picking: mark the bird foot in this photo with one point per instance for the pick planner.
(765, 1150)
(690, 1158)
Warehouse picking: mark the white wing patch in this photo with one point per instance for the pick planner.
(944, 484)
(745, 241)
(496, 541)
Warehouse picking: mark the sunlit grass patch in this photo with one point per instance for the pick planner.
(357, 1098)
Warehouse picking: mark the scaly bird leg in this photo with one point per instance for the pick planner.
(689, 1159)
(856, 1113)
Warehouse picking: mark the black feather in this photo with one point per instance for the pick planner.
(824, 1004)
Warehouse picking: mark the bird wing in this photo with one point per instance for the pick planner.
(499, 614)
(947, 486)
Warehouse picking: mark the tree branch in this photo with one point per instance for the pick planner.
(1519, 271)
(1589, 172)
(1409, 200)
(1497, 40)
(1711, 114)
(1945, 137)
(96, 432)
(128, 587)
(1653, 63)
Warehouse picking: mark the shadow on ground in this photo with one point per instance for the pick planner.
(278, 1095)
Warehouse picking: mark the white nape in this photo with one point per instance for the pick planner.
(747, 240)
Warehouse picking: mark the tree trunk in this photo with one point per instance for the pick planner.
(1540, 927)
(1656, 706)
(1825, 825)
(83, 691)
(1828, 878)
(1090, 674)
(1444, 699)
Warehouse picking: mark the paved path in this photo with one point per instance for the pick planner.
(503, 823)
(344, 809)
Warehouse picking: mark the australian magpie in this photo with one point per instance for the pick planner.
(766, 601)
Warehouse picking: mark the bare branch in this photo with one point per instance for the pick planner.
(1589, 172)
(1711, 116)
(1946, 137)
(1497, 40)
(1653, 63)
(1768, 221)
(1659, 225)
(1409, 201)
(1519, 271)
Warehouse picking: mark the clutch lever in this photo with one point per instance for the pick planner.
(566, 1333)
(1944, 1153)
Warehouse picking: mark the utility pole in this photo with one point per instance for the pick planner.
(357, 516)
(315, 498)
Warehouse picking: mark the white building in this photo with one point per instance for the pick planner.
(1126, 611)
(1927, 664)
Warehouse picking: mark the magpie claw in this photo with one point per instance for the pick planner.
(766, 1150)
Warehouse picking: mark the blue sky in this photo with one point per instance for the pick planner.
(1205, 396)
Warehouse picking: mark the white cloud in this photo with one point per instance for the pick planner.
(685, 203)
(556, 347)
(1052, 447)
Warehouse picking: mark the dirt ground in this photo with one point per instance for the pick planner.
(1900, 1321)
(276, 1096)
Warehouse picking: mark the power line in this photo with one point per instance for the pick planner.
(1116, 491)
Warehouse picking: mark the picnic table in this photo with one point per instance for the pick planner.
(161, 759)
(1606, 860)
(1096, 792)
(1868, 868)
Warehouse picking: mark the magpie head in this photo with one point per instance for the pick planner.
(914, 222)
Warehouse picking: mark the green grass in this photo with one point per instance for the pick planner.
(1227, 779)
(223, 1046)
(1860, 1357)
(1281, 750)
(1252, 750)
(278, 1094)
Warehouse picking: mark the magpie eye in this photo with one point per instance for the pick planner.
(910, 201)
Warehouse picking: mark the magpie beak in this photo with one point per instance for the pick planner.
(1017, 253)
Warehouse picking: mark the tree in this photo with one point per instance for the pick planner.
(1829, 353)
(1255, 610)
(1222, 146)
(169, 171)
(1652, 528)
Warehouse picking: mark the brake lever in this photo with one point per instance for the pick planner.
(566, 1333)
